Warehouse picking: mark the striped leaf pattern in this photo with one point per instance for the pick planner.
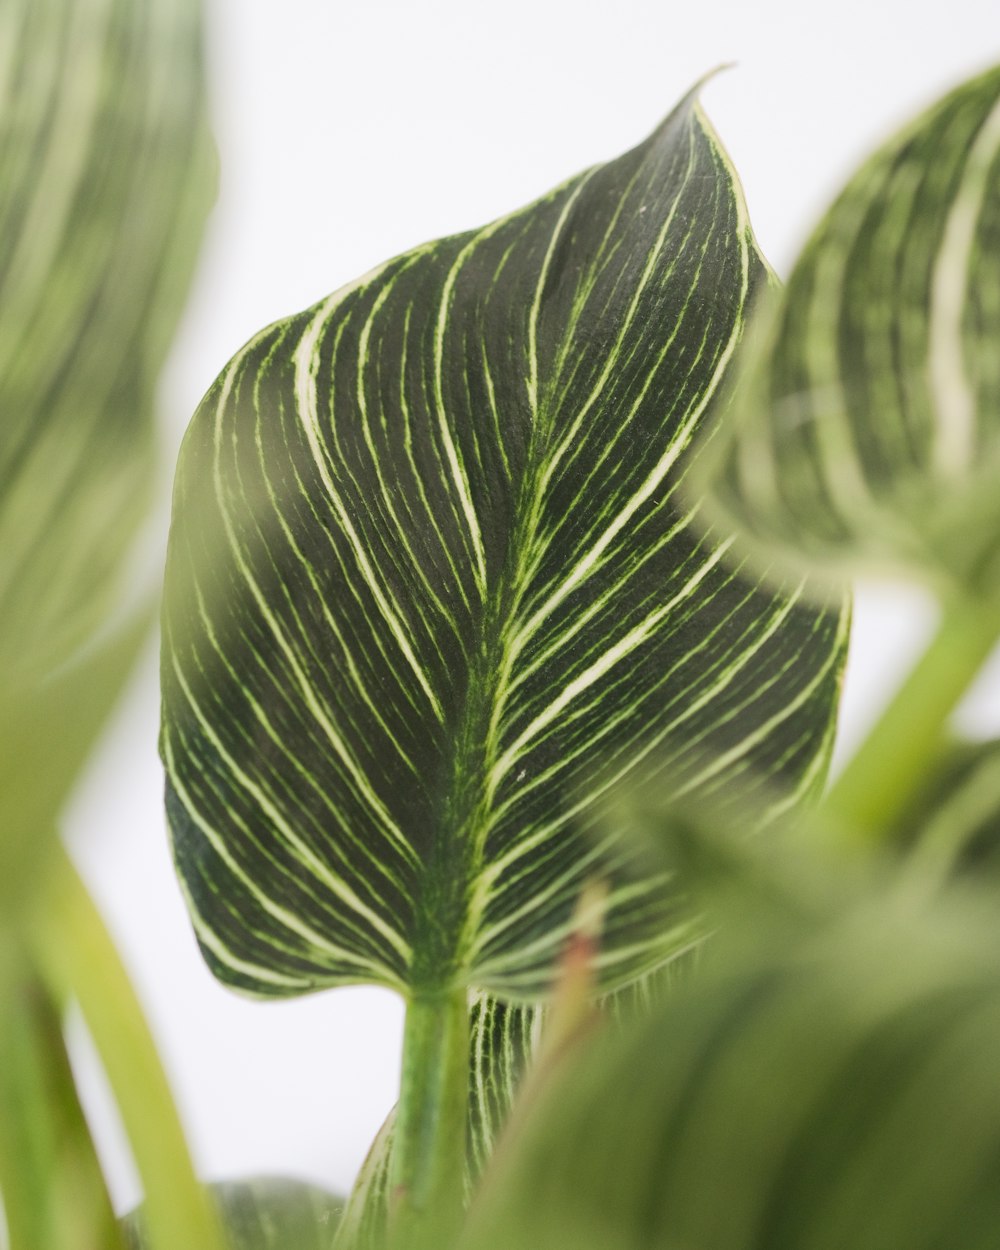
(430, 592)
(365, 1219)
(869, 410)
(106, 176)
(503, 1041)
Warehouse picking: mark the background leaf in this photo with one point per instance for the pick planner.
(47, 730)
(429, 576)
(869, 429)
(503, 1040)
(106, 181)
(263, 1213)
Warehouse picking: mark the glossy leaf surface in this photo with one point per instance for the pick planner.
(869, 428)
(430, 591)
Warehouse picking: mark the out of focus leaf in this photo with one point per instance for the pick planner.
(47, 730)
(106, 178)
(263, 1213)
(867, 414)
(51, 1185)
(952, 825)
(835, 1088)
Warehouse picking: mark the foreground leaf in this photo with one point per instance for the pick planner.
(834, 1086)
(953, 824)
(870, 429)
(430, 591)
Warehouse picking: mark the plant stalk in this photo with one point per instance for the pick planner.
(892, 763)
(428, 1161)
(77, 956)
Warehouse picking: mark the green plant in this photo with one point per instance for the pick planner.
(483, 681)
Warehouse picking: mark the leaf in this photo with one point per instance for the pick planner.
(866, 428)
(47, 730)
(953, 823)
(501, 1047)
(430, 591)
(263, 1213)
(53, 1192)
(106, 181)
(835, 1089)
(365, 1220)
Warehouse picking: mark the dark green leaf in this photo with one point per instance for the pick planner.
(503, 1042)
(431, 591)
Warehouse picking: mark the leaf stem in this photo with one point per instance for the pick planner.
(428, 1157)
(77, 956)
(891, 763)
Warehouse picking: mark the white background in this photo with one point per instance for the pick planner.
(348, 132)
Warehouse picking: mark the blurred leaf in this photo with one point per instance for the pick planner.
(72, 950)
(365, 1220)
(836, 1089)
(106, 179)
(47, 730)
(869, 405)
(52, 1189)
(428, 570)
(953, 822)
(264, 1213)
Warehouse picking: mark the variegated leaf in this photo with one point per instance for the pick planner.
(365, 1221)
(262, 1213)
(106, 180)
(503, 1040)
(430, 592)
(868, 422)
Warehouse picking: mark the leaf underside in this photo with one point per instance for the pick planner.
(106, 181)
(431, 592)
(868, 426)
